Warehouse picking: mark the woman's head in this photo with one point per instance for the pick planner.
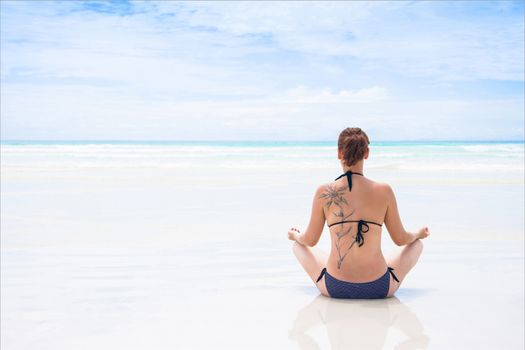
(352, 145)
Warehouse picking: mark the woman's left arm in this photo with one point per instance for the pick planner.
(317, 220)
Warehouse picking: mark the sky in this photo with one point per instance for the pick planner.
(167, 70)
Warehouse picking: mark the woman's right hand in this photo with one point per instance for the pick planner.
(293, 233)
(423, 233)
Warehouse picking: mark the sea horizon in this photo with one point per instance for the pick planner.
(256, 142)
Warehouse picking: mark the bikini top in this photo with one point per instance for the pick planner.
(361, 223)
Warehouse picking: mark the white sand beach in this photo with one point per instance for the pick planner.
(133, 247)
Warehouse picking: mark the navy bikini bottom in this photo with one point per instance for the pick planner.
(376, 289)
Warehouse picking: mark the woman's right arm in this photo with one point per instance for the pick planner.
(393, 222)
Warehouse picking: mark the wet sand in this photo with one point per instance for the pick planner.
(253, 295)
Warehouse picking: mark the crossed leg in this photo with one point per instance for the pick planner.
(403, 260)
(313, 260)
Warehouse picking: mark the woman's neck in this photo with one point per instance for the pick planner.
(354, 169)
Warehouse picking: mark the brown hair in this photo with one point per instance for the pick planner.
(352, 144)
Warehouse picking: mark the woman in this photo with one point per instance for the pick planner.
(354, 207)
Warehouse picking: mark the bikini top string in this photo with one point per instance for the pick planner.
(362, 224)
(360, 240)
(348, 175)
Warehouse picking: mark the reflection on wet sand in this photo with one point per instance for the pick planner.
(358, 324)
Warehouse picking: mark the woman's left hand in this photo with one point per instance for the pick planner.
(293, 233)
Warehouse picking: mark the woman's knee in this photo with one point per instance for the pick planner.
(298, 249)
(419, 246)
(416, 246)
(414, 250)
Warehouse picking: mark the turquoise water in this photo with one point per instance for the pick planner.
(418, 156)
(248, 143)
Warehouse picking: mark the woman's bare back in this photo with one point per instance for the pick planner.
(355, 247)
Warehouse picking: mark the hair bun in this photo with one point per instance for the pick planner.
(353, 144)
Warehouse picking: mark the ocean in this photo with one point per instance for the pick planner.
(461, 190)
(418, 156)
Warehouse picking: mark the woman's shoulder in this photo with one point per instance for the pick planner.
(328, 188)
(382, 189)
(323, 188)
(379, 185)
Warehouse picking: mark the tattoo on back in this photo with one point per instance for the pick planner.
(334, 197)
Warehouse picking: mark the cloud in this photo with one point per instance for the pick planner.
(416, 38)
(215, 70)
(78, 112)
(305, 95)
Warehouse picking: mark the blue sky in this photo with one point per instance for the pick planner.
(261, 70)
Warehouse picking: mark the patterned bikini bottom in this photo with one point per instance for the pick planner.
(376, 289)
